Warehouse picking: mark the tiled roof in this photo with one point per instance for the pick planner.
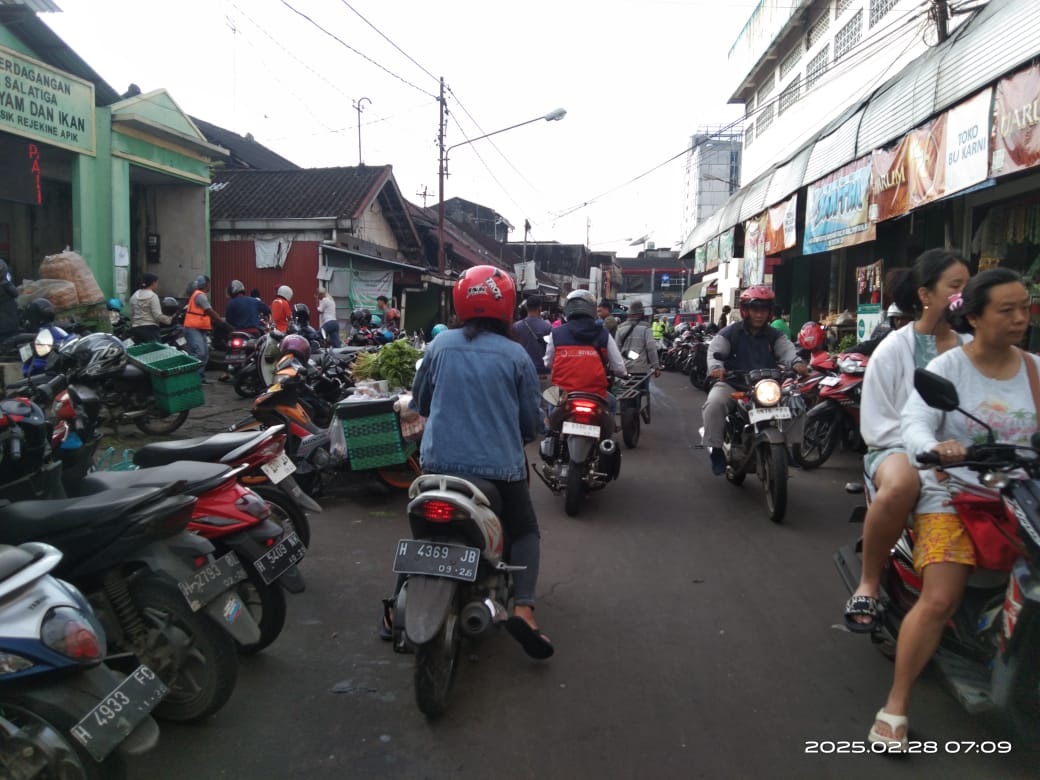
(245, 151)
(309, 193)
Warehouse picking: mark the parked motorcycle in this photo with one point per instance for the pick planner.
(256, 372)
(63, 713)
(834, 417)
(458, 581)
(988, 652)
(157, 590)
(579, 455)
(753, 441)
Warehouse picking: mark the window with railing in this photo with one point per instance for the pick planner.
(765, 118)
(878, 8)
(848, 36)
(790, 62)
(840, 7)
(817, 67)
(790, 95)
(818, 30)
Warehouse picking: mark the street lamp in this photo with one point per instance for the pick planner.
(552, 116)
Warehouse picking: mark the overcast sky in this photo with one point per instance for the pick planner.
(637, 78)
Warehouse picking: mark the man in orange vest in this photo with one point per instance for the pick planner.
(198, 322)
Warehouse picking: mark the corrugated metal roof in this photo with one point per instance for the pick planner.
(755, 200)
(730, 214)
(788, 177)
(833, 150)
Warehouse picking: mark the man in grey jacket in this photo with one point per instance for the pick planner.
(636, 342)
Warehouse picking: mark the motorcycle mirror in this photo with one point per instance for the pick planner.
(44, 342)
(938, 392)
(552, 395)
(418, 364)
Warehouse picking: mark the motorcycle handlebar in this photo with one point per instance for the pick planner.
(929, 458)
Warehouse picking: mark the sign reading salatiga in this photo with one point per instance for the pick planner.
(39, 102)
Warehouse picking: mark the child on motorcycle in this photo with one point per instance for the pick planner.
(993, 379)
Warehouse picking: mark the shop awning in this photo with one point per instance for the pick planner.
(701, 289)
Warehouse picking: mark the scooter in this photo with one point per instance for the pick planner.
(834, 418)
(989, 649)
(63, 713)
(458, 581)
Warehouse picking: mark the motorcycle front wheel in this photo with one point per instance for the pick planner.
(819, 440)
(158, 424)
(247, 383)
(193, 655)
(772, 467)
(402, 476)
(575, 490)
(435, 663)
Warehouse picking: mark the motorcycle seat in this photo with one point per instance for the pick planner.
(204, 448)
(130, 371)
(487, 488)
(13, 560)
(191, 477)
(29, 521)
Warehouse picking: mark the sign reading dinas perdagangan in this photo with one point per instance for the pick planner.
(45, 104)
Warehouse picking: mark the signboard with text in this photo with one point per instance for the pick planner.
(45, 104)
(836, 211)
(1016, 122)
(779, 226)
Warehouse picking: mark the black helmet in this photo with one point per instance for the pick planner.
(301, 314)
(169, 305)
(40, 312)
(580, 303)
(360, 318)
(96, 355)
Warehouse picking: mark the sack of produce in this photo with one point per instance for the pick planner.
(68, 265)
(62, 294)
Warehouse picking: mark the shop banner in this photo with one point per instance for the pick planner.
(965, 159)
(779, 227)
(889, 192)
(909, 174)
(700, 259)
(836, 209)
(726, 245)
(713, 254)
(45, 104)
(1015, 141)
(754, 250)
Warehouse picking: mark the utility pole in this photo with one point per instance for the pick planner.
(443, 164)
(425, 195)
(359, 107)
(941, 13)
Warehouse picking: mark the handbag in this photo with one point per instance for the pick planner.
(992, 527)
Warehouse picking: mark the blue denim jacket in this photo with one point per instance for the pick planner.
(482, 403)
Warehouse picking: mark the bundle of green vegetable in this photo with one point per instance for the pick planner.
(394, 362)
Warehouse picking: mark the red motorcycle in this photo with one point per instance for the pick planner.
(834, 418)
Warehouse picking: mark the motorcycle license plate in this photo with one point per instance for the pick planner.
(25, 352)
(454, 561)
(830, 381)
(773, 413)
(210, 581)
(581, 430)
(116, 715)
(278, 468)
(280, 558)
(181, 341)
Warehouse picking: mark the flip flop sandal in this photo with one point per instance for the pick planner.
(862, 605)
(386, 625)
(894, 722)
(535, 643)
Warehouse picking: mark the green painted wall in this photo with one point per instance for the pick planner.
(14, 44)
(92, 205)
(159, 156)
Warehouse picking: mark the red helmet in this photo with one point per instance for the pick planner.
(756, 297)
(485, 291)
(298, 346)
(812, 336)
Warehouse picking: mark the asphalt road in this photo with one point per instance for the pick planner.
(693, 639)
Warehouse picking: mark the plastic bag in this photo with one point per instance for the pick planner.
(337, 440)
(107, 461)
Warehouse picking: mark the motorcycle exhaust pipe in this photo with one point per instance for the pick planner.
(608, 446)
(477, 617)
(609, 458)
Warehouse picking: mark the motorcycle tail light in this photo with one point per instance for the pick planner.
(252, 504)
(68, 632)
(270, 450)
(583, 412)
(767, 392)
(237, 343)
(439, 511)
(63, 408)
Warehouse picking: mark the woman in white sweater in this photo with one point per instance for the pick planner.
(992, 380)
(936, 275)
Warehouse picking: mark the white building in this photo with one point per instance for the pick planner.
(712, 172)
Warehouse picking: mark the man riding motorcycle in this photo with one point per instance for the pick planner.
(743, 346)
(634, 338)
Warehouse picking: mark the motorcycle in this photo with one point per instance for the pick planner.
(458, 582)
(579, 454)
(315, 443)
(63, 713)
(697, 360)
(158, 591)
(633, 399)
(834, 417)
(753, 440)
(988, 651)
(257, 370)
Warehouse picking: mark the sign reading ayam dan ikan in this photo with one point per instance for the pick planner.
(47, 105)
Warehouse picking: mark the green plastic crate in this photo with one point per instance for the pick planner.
(180, 400)
(373, 433)
(145, 355)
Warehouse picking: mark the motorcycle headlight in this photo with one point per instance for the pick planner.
(44, 343)
(767, 392)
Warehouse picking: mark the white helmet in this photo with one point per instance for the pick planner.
(285, 291)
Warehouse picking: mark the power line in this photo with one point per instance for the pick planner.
(346, 45)
(409, 57)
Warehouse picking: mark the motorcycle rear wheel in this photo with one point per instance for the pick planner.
(285, 512)
(773, 469)
(193, 655)
(49, 730)
(819, 440)
(402, 476)
(575, 490)
(435, 663)
(697, 377)
(160, 424)
(247, 383)
(266, 603)
(630, 427)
